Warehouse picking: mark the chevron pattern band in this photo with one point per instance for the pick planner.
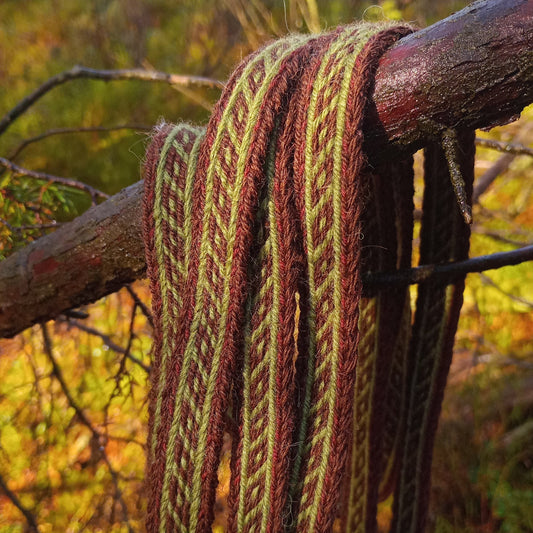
(257, 229)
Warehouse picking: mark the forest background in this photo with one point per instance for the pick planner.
(73, 392)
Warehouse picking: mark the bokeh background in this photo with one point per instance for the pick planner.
(73, 394)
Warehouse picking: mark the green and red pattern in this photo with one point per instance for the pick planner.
(257, 230)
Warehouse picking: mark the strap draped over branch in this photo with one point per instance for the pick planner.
(473, 69)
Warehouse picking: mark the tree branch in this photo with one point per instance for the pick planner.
(518, 299)
(446, 272)
(78, 72)
(473, 69)
(503, 163)
(62, 131)
(95, 254)
(32, 524)
(107, 340)
(68, 182)
(510, 148)
(141, 305)
(99, 438)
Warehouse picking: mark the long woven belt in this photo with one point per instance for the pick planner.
(257, 229)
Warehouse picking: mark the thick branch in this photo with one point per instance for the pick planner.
(473, 69)
(92, 256)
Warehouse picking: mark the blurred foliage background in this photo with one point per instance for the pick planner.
(73, 393)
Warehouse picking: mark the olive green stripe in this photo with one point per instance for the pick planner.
(271, 65)
(163, 280)
(308, 513)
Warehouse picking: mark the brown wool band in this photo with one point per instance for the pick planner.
(257, 230)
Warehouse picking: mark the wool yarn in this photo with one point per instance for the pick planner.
(257, 229)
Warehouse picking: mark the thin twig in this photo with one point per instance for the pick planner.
(68, 131)
(196, 98)
(488, 177)
(80, 314)
(452, 149)
(510, 148)
(502, 238)
(131, 336)
(503, 163)
(78, 72)
(68, 182)
(186, 91)
(127, 440)
(446, 272)
(58, 374)
(142, 306)
(493, 284)
(82, 417)
(107, 341)
(497, 358)
(18, 504)
(26, 227)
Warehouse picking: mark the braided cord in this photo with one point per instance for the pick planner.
(380, 323)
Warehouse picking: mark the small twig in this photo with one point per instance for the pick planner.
(68, 182)
(503, 163)
(450, 145)
(131, 336)
(82, 417)
(493, 284)
(18, 229)
(78, 72)
(27, 227)
(486, 179)
(501, 238)
(118, 492)
(12, 229)
(58, 374)
(80, 314)
(186, 91)
(446, 272)
(69, 131)
(127, 440)
(196, 98)
(107, 341)
(510, 148)
(504, 361)
(503, 215)
(142, 306)
(18, 504)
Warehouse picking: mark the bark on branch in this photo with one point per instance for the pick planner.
(94, 255)
(473, 69)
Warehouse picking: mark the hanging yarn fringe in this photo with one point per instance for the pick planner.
(257, 230)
